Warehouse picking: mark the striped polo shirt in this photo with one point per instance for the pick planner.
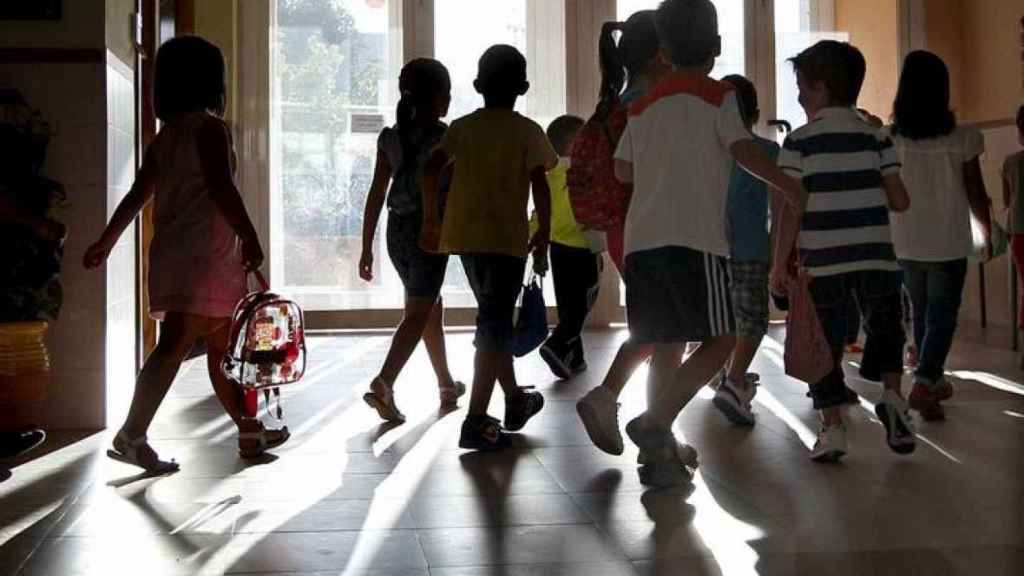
(841, 160)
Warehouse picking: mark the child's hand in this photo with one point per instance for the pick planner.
(540, 264)
(96, 255)
(252, 254)
(366, 265)
(778, 280)
(430, 237)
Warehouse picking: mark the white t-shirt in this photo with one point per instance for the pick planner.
(678, 140)
(937, 227)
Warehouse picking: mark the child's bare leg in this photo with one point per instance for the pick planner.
(407, 336)
(228, 393)
(178, 332)
(486, 366)
(433, 340)
(629, 357)
(700, 367)
(665, 360)
(742, 357)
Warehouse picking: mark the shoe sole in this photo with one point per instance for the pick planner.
(883, 417)
(732, 412)
(383, 410)
(591, 424)
(558, 368)
(832, 456)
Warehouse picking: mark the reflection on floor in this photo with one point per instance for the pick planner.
(350, 496)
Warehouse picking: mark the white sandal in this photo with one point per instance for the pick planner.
(129, 454)
(265, 440)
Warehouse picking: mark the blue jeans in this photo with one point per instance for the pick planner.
(935, 290)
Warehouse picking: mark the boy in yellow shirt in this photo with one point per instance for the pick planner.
(497, 155)
(575, 261)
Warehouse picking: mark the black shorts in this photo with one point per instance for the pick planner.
(422, 273)
(676, 294)
(496, 280)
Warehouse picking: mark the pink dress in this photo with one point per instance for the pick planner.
(195, 258)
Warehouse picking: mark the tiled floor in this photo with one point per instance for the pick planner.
(349, 496)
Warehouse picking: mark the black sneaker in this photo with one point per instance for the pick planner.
(577, 363)
(522, 407)
(557, 359)
(483, 433)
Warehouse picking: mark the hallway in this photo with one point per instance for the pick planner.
(349, 496)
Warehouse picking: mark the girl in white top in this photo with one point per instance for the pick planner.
(932, 239)
(203, 244)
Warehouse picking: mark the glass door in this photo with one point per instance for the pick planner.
(334, 87)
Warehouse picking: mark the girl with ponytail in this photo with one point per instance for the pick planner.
(628, 70)
(402, 151)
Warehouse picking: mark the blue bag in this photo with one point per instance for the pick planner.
(531, 328)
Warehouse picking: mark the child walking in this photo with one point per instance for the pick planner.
(749, 258)
(575, 264)
(497, 156)
(851, 172)
(942, 173)
(636, 57)
(402, 151)
(202, 247)
(1013, 187)
(677, 276)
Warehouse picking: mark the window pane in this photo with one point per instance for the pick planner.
(731, 27)
(537, 29)
(335, 66)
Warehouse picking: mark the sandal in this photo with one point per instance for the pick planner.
(128, 453)
(450, 393)
(381, 398)
(255, 444)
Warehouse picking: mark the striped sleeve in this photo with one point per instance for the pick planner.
(791, 159)
(889, 161)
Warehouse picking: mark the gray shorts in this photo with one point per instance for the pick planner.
(748, 287)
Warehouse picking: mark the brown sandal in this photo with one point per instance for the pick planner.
(381, 398)
(450, 393)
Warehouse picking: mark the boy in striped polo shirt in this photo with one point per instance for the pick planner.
(851, 173)
(678, 150)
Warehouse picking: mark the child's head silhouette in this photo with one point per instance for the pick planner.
(501, 75)
(921, 109)
(688, 30)
(189, 78)
(426, 91)
(562, 131)
(746, 97)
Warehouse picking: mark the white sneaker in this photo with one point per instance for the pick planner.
(894, 414)
(687, 455)
(831, 444)
(734, 401)
(600, 415)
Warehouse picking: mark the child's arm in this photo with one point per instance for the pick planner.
(977, 197)
(542, 204)
(140, 193)
(430, 235)
(785, 228)
(748, 155)
(371, 214)
(896, 193)
(215, 147)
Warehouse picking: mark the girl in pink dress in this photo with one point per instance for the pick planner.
(203, 245)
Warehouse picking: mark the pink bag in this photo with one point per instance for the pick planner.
(808, 356)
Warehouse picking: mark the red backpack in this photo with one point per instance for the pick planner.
(598, 200)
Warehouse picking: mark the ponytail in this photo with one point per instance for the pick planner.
(405, 120)
(420, 81)
(613, 70)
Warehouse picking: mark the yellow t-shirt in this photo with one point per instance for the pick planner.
(564, 229)
(494, 151)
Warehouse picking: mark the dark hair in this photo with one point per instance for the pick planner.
(1020, 118)
(638, 44)
(562, 130)
(839, 65)
(746, 96)
(501, 72)
(921, 109)
(688, 31)
(420, 82)
(189, 78)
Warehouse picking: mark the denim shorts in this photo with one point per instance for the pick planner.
(422, 273)
(496, 280)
